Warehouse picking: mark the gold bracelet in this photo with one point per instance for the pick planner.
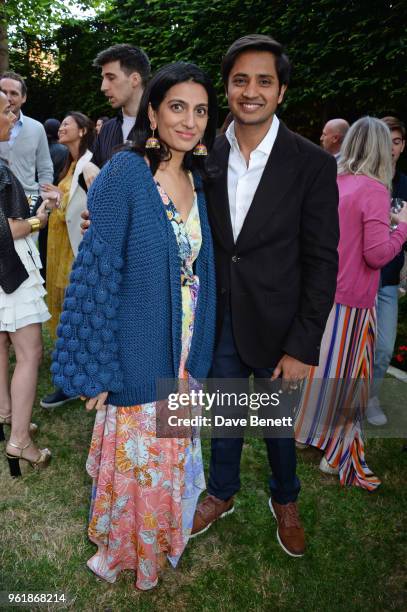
(35, 224)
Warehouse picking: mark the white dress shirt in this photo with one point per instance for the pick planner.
(244, 179)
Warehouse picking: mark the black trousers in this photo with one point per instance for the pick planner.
(224, 472)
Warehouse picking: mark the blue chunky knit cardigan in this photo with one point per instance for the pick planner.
(120, 329)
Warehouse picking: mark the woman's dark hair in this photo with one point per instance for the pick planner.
(154, 94)
(83, 122)
(257, 42)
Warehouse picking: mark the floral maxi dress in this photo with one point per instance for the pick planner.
(145, 488)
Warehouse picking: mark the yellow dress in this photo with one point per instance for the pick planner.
(59, 254)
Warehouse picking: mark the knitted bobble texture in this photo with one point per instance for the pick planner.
(121, 326)
(85, 348)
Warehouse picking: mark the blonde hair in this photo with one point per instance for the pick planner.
(366, 150)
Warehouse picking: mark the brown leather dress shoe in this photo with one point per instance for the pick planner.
(290, 532)
(208, 511)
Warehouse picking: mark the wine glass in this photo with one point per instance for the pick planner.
(396, 204)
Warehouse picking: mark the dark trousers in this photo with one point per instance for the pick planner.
(224, 471)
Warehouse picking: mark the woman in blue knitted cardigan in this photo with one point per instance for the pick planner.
(140, 307)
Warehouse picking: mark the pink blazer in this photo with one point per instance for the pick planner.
(366, 244)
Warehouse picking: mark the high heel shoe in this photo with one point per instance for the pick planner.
(14, 460)
(6, 420)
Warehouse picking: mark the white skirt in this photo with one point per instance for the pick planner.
(26, 304)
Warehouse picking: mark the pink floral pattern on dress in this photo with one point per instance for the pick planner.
(146, 488)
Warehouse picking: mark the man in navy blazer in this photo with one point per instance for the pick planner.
(273, 213)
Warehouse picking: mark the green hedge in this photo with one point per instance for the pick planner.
(400, 351)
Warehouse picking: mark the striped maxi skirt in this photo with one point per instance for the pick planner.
(335, 395)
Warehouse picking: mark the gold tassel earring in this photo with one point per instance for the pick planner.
(152, 142)
(200, 150)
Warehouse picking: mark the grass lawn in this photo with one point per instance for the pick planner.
(356, 542)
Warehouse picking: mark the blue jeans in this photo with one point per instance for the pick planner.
(387, 312)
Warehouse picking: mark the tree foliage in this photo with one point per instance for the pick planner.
(34, 38)
(348, 59)
(24, 19)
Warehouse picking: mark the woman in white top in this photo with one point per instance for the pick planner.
(64, 233)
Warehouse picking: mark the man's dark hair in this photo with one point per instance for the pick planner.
(393, 123)
(16, 77)
(51, 127)
(257, 42)
(132, 59)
